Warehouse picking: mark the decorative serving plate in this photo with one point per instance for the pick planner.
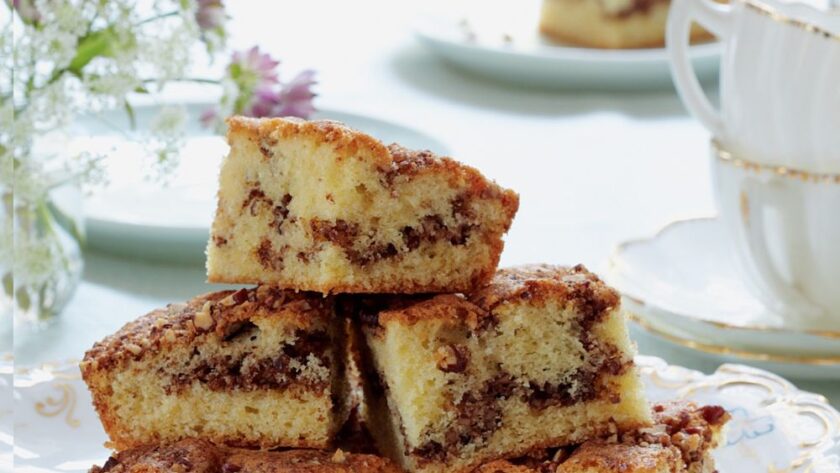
(775, 428)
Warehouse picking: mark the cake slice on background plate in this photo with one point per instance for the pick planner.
(318, 206)
(537, 357)
(610, 24)
(681, 440)
(258, 367)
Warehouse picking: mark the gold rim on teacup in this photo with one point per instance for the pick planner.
(721, 350)
(776, 15)
(778, 170)
(621, 247)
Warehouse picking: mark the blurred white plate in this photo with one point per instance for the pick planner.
(682, 285)
(774, 426)
(501, 41)
(135, 216)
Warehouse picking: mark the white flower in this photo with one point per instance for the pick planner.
(35, 259)
(166, 138)
(170, 121)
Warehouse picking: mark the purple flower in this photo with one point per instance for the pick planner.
(210, 14)
(26, 10)
(253, 68)
(295, 99)
(259, 92)
(263, 102)
(209, 117)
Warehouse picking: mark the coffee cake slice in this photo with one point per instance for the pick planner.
(200, 456)
(682, 440)
(610, 24)
(318, 206)
(538, 357)
(259, 367)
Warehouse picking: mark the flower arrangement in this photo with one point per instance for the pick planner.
(65, 58)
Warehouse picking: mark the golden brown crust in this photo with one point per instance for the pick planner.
(308, 461)
(190, 455)
(341, 136)
(537, 282)
(599, 455)
(199, 456)
(393, 167)
(397, 162)
(452, 308)
(681, 439)
(503, 466)
(533, 283)
(180, 324)
(395, 287)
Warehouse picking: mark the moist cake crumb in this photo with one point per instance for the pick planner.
(319, 206)
(538, 356)
(259, 367)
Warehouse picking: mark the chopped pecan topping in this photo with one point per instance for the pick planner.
(452, 358)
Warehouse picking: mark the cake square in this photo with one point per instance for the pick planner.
(259, 367)
(318, 206)
(682, 440)
(201, 456)
(537, 357)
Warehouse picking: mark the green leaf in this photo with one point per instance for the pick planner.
(22, 298)
(96, 44)
(64, 221)
(129, 110)
(8, 284)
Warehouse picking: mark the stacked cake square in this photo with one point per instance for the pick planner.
(378, 308)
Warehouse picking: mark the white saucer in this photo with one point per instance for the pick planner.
(500, 40)
(774, 426)
(134, 216)
(683, 285)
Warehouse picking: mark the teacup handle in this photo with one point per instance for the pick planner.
(713, 16)
(755, 197)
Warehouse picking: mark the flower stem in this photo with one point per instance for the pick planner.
(157, 17)
(199, 80)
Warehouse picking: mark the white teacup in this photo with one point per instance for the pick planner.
(779, 79)
(785, 227)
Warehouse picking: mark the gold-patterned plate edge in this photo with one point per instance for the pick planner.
(833, 361)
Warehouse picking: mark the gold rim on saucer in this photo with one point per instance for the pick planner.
(621, 247)
(780, 17)
(781, 171)
(728, 351)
